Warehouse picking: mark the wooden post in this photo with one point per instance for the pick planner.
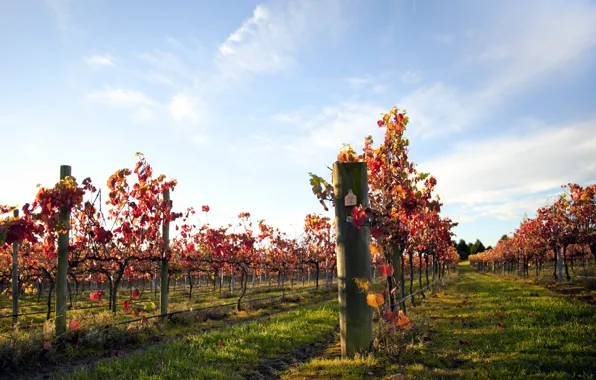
(165, 264)
(15, 277)
(558, 257)
(353, 260)
(62, 269)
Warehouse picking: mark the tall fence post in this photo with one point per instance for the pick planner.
(353, 260)
(15, 277)
(165, 264)
(62, 269)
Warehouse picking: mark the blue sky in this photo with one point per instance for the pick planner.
(239, 100)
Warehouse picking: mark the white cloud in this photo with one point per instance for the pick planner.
(266, 43)
(262, 44)
(171, 65)
(201, 139)
(122, 97)
(143, 114)
(439, 109)
(331, 127)
(528, 49)
(492, 174)
(411, 77)
(100, 60)
(185, 106)
(293, 118)
(520, 54)
(359, 82)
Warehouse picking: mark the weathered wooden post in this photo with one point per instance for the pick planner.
(558, 256)
(62, 269)
(353, 259)
(165, 263)
(15, 277)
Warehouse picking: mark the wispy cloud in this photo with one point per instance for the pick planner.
(500, 170)
(143, 114)
(518, 58)
(122, 97)
(439, 109)
(171, 66)
(100, 60)
(411, 77)
(185, 107)
(529, 49)
(359, 82)
(327, 130)
(267, 42)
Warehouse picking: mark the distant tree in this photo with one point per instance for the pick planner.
(477, 247)
(489, 247)
(463, 249)
(504, 237)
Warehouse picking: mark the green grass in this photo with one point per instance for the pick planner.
(23, 353)
(228, 353)
(543, 335)
(201, 298)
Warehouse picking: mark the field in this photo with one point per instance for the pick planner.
(473, 325)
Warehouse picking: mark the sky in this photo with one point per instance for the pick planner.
(240, 100)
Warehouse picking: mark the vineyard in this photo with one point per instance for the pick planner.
(116, 282)
(562, 234)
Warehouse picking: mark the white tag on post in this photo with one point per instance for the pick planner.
(350, 199)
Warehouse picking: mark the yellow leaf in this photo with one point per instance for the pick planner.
(374, 299)
(362, 284)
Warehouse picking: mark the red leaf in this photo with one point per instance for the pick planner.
(75, 325)
(126, 305)
(390, 316)
(376, 232)
(387, 270)
(136, 294)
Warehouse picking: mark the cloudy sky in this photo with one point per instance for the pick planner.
(239, 100)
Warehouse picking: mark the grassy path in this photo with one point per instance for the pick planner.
(245, 350)
(506, 329)
(484, 326)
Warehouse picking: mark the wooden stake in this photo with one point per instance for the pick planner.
(165, 264)
(15, 277)
(62, 269)
(353, 260)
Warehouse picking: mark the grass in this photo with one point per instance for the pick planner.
(202, 297)
(505, 329)
(228, 353)
(23, 353)
(581, 286)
